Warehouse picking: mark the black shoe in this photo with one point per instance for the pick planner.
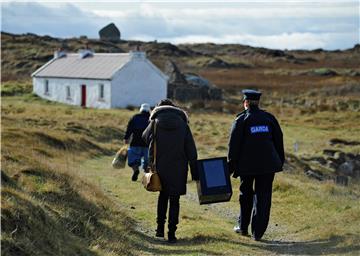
(255, 238)
(135, 175)
(172, 238)
(160, 232)
(238, 230)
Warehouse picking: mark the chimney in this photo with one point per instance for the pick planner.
(59, 53)
(137, 54)
(85, 53)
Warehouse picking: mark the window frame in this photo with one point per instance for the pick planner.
(46, 87)
(101, 92)
(68, 92)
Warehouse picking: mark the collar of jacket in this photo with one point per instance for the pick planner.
(160, 109)
(253, 109)
(144, 113)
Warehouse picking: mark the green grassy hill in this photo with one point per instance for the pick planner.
(60, 195)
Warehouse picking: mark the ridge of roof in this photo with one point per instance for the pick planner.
(99, 54)
(98, 66)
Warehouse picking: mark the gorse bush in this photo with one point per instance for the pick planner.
(12, 88)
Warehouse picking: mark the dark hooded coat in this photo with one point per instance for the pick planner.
(175, 147)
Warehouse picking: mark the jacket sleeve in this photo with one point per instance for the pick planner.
(278, 140)
(236, 136)
(129, 129)
(147, 134)
(191, 153)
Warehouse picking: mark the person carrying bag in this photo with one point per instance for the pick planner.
(172, 149)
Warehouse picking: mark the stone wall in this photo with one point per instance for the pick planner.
(182, 90)
(187, 92)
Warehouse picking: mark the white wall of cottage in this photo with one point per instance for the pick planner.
(58, 91)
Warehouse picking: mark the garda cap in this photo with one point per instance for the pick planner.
(251, 94)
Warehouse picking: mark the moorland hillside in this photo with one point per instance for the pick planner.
(229, 66)
(60, 195)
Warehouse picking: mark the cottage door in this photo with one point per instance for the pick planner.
(83, 95)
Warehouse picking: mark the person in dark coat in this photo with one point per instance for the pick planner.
(138, 151)
(175, 150)
(256, 153)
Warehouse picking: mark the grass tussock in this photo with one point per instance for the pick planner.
(12, 88)
(53, 212)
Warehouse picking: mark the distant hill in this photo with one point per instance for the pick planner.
(227, 65)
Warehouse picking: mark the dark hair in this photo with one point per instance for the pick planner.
(166, 102)
(253, 103)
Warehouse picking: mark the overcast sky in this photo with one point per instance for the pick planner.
(282, 24)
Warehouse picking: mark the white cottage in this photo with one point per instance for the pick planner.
(100, 80)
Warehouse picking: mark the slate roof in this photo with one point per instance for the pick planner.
(98, 66)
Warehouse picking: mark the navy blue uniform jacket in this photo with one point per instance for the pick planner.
(256, 144)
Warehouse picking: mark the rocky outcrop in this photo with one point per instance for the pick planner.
(110, 33)
(333, 165)
(189, 87)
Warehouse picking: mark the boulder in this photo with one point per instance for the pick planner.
(357, 174)
(320, 160)
(215, 94)
(329, 152)
(341, 180)
(110, 33)
(334, 161)
(314, 174)
(346, 168)
(217, 63)
(332, 165)
(340, 157)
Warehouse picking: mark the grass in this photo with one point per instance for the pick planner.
(208, 229)
(60, 195)
(46, 208)
(15, 88)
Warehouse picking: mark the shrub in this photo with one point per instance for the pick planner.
(13, 88)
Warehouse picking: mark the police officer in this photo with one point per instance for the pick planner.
(256, 153)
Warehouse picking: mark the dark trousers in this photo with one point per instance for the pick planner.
(255, 198)
(174, 209)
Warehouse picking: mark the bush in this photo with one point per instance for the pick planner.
(324, 72)
(15, 88)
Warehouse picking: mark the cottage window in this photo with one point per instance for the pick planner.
(101, 92)
(68, 93)
(46, 87)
